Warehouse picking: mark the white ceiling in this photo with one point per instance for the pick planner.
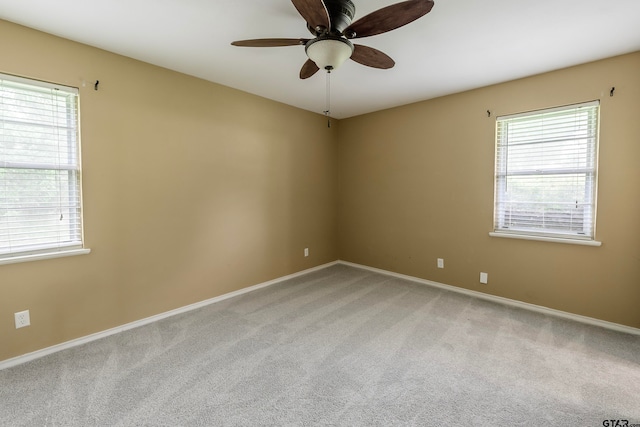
(460, 45)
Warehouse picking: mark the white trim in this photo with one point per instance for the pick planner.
(44, 255)
(18, 360)
(545, 239)
(505, 301)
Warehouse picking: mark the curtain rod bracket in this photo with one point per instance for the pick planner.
(488, 113)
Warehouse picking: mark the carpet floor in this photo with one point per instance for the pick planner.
(340, 346)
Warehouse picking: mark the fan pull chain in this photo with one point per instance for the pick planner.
(327, 112)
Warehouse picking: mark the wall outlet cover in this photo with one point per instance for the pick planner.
(22, 319)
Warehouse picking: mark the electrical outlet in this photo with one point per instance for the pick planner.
(22, 319)
(306, 251)
(484, 278)
(440, 263)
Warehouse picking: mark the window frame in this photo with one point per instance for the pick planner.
(68, 186)
(589, 173)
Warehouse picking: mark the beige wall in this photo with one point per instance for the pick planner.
(191, 190)
(416, 183)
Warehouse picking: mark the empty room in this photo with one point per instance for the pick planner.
(319, 212)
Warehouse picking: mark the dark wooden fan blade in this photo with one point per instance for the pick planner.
(314, 12)
(388, 18)
(270, 42)
(371, 57)
(308, 69)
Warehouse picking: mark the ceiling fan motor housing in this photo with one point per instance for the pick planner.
(341, 13)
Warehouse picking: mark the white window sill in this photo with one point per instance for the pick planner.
(48, 255)
(546, 239)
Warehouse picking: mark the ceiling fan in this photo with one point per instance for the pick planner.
(330, 23)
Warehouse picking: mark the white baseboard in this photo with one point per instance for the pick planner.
(98, 335)
(505, 301)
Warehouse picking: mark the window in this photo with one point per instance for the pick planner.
(40, 191)
(545, 177)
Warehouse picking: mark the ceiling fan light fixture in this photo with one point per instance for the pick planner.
(329, 52)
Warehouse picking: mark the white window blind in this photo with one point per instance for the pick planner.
(40, 182)
(545, 178)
